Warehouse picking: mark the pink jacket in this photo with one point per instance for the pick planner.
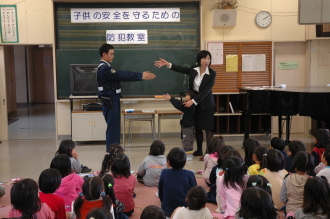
(69, 189)
(210, 160)
(230, 197)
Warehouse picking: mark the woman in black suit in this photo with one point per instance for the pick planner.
(201, 79)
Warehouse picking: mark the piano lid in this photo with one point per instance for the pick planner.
(297, 89)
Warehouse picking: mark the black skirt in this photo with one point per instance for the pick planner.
(204, 119)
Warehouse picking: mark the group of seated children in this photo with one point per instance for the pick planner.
(267, 183)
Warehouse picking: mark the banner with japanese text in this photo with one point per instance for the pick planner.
(105, 15)
(127, 36)
(9, 30)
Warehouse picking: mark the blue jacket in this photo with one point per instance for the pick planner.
(110, 78)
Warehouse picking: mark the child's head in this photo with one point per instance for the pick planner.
(152, 212)
(108, 157)
(322, 138)
(316, 196)
(24, 197)
(99, 213)
(157, 148)
(260, 182)
(121, 166)
(234, 172)
(226, 151)
(303, 162)
(215, 145)
(196, 198)
(92, 189)
(258, 153)
(277, 143)
(257, 203)
(62, 163)
(191, 94)
(49, 180)
(66, 147)
(326, 156)
(176, 158)
(249, 145)
(296, 146)
(274, 161)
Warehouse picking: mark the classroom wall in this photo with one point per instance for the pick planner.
(36, 26)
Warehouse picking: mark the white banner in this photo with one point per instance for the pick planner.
(127, 36)
(106, 15)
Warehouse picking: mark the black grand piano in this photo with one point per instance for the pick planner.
(285, 102)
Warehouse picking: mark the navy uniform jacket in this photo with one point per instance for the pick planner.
(205, 96)
(109, 79)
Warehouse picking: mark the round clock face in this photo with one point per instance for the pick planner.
(263, 19)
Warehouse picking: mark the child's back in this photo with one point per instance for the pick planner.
(152, 165)
(175, 183)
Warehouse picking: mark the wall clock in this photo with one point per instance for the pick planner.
(263, 19)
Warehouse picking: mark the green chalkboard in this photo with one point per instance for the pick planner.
(177, 42)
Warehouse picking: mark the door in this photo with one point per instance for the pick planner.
(10, 79)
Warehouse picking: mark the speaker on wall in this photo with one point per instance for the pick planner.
(224, 17)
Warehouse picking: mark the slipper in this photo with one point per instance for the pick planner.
(85, 169)
(202, 158)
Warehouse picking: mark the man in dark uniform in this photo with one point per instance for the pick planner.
(108, 80)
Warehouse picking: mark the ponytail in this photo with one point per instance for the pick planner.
(77, 205)
(263, 163)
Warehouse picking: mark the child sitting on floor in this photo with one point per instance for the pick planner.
(152, 212)
(293, 184)
(71, 182)
(124, 182)
(152, 166)
(294, 147)
(68, 147)
(257, 156)
(92, 196)
(326, 161)
(211, 157)
(278, 144)
(49, 181)
(114, 150)
(26, 203)
(175, 182)
(231, 185)
(196, 201)
(249, 145)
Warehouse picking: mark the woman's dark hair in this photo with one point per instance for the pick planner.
(105, 49)
(326, 155)
(234, 172)
(277, 143)
(322, 137)
(152, 212)
(24, 197)
(108, 157)
(196, 198)
(249, 145)
(215, 145)
(121, 166)
(49, 180)
(157, 148)
(260, 182)
(109, 188)
(257, 203)
(274, 161)
(177, 158)
(203, 54)
(99, 213)
(223, 153)
(62, 163)
(261, 153)
(316, 196)
(296, 146)
(303, 161)
(66, 147)
(91, 190)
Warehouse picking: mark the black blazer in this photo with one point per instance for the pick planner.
(205, 96)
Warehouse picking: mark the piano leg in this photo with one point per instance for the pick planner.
(288, 123)
(280, 126)
(247, 120)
